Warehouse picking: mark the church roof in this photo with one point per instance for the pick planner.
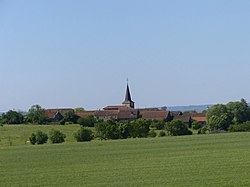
(127, 96)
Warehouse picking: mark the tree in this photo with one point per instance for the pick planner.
(107, 130)
(83, 134)
(37, 115)
(159, 125)
(125, 129)
(240, 111)
(56, 136)
(39, 137)
(219, 117)
(79, 109)
(218, 122)
(196, 125)
(12, 117)
(70, 117)
(177, 128)
(89, 121)
(140, 128)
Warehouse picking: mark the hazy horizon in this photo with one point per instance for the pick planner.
(80, 53)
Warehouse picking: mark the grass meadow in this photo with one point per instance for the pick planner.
(198, 160)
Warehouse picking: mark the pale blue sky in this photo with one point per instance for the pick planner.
(72, 53)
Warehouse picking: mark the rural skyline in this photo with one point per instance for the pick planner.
(80, 53)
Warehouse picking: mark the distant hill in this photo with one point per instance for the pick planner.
(198, 108)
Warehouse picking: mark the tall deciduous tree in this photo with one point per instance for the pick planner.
(37, 115)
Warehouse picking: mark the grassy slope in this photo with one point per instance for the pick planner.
(19, 134)
(205, 160)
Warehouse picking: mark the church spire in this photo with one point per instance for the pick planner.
(128, 101)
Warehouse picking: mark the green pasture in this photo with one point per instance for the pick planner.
(198, 160)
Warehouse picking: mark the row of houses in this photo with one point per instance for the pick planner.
(126, 111)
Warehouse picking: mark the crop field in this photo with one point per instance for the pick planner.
(198, 160)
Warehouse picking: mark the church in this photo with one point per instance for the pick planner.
(127, 111)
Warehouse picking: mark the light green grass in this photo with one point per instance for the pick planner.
(19, 134)
(199, 160)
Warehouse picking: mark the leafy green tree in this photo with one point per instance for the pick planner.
(89, 121)
(218, 122)
(83, 134)
(107, 130)
(56, 136)
(12, 117)
(159, 125)
(219, 117)
(70, 117)
(177, 128)
(37, 115)
(243, 127)
(196, 125)
(240, 111)
(79, 109)
(125, 129)
(140, 128)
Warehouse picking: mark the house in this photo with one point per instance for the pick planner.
(200, 117)
(184, 117)
(161, 115)
(55, 115)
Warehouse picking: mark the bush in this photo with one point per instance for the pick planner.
(83, 134)
(244, 127)
(33, 139)
(162, 133)
(203, 130)
(196, 125)
(89, 121)
(56, 136)
(177, 128)
(152, 134)
(39, 138)
(159, 125)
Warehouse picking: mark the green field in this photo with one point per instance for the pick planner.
(198, 160)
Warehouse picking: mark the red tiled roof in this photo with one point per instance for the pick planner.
(85, 114)
(200, 119)
(50, 113)
(118, 107)
(157, 115)
(107, 113)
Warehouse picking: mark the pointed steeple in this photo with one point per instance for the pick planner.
(128, 101)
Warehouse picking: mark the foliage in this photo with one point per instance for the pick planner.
(107, 130)
(244, 127)
(140, 128)
(12, 117)
(71, 117)
(33, 139)
(152, 133)
(36, 115)
(177, 128)
(240, 111)
(159, 125)
(196, 125)
(83, 134)
(39, 137)
(162, 133)
(79, 109)
(125, 129)
(220, 116)
(56, 136)
(89, 121)
(203, 130)
(218, 122)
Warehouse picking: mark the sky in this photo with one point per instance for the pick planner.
(79, 53)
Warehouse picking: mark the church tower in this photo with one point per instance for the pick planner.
(128, 101)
